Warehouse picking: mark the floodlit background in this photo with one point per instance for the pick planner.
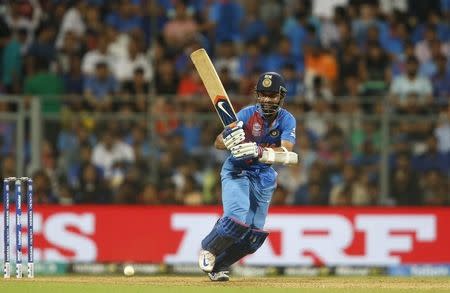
(102, 107)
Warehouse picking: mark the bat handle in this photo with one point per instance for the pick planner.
(232, 124)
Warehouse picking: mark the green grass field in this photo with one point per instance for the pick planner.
(112, 284)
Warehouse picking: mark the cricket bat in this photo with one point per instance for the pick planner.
(214, 87)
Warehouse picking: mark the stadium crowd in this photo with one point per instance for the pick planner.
(346, 63)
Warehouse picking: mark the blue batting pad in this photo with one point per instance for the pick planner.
(247, 245)
(225, 232)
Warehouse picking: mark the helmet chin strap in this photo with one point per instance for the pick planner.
(269, 114)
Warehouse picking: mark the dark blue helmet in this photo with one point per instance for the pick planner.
(270, 84)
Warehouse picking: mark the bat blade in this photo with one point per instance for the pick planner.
(214, 86)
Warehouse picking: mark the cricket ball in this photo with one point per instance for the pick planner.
(128, 270)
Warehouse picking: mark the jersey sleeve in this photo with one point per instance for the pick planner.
(244, 115)
(288, 128)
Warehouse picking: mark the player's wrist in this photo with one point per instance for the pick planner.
(259, 150)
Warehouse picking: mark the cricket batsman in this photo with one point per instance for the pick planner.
(264, 135)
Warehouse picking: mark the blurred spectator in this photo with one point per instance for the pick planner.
(226, 58)
(442, 131)
(111, 153)
(231, 85)
(149, 196)
(410, 90)
(175, 147)
(190, 85)
(374, 71)
(282, 56)
(210, 181)
(329, 32)
(17, 20)
(167, 193)
(289, 178)
(181, 27)
(128, 191)
(71, 47)
(44, 47)
(316, 118)
(183, 62)
(165, 120)
(436, 189)
(8, 167)
(7, 137)
(365, 21)
(165, 169)
(319, 62)
(400, 62)
(318, 91)
(308, 153)
(191, 193)
(43, 192)
(404, 182)
(315, 190)
(137, 89)
(166, 78)
(368, 159)
(98, 55)
(125, 18)
(351, 191)
(349, 63)
(253, 27)
(74, 169)
(432, 158)
(225, 18)
(99, 89)
(73, 78)
(333, 142)
(294, 28)
(45, 84)
(94, 25)
(117, 42)
(11, 63)
(125, 66)
(251, 60)
(424, 47)
(279, 197)
(67, 143)
(294, 86)
(65, 195)
(190, 129)
(394, 42)
(92, 188)
(429, 68)
(73, 21)
(368, 132)
(441, 81)
(352, 112)
(206, 150)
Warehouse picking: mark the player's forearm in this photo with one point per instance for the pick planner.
(276, 149)
(218, 143)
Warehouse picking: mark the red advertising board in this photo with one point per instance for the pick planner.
(299, 236)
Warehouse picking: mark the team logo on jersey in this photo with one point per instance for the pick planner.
(274, 133)
(267, 82)
(256, 130)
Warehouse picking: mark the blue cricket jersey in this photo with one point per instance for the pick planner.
(257, 129)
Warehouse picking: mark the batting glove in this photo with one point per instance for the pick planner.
(234, 135)
(246, 151)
